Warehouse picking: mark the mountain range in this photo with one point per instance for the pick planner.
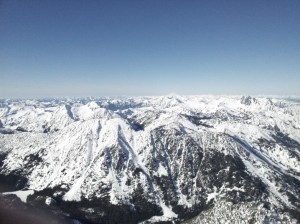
(168, 159)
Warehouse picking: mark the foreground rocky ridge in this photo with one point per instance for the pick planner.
(155, 159)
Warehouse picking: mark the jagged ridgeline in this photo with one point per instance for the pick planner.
(182, 159)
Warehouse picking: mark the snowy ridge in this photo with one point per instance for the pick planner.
(181, 154)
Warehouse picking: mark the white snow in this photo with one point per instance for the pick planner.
(162, 170)
(88, 139)
(21, 194)
(168, 215)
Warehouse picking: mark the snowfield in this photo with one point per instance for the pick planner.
(152, 159)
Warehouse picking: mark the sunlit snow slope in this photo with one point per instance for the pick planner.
(152, 159)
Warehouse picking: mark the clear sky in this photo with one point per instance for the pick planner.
(138, 47)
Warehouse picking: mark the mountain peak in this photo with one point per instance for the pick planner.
(248, 100)
(166, 158)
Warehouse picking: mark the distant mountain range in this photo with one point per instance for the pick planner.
(190, 159)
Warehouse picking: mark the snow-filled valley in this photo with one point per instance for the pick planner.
(191, 159)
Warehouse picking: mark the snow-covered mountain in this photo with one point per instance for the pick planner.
(192, 159)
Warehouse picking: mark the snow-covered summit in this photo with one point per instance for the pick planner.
(155, 158)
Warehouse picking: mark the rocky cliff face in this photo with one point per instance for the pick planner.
(155, 159)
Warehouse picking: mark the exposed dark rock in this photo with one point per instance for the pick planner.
(21, 129)
(285, 140)
(248, 100)
(6, 131)
(198, 120)
(2, 158)
(32, 160)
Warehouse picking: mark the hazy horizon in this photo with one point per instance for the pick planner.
(286, 97)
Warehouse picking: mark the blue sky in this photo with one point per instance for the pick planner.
(138, 47)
